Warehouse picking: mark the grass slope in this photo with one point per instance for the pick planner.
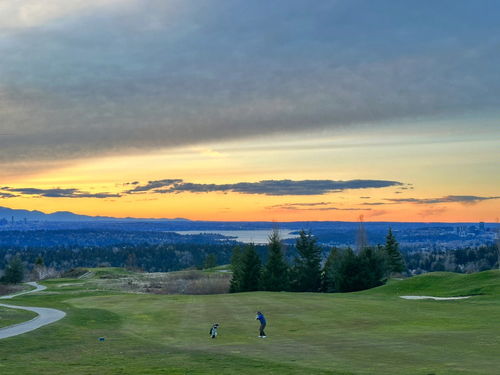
(373, 332)
(13, 316)
(444, 284)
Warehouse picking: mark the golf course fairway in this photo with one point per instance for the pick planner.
(371, 332)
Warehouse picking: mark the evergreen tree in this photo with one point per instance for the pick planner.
(39, 270)
(131, 262)
(349, 278)
(373, 267)
(250, 269)
(330, 274)
(39, 261)
(14, 272)
(395, 261)
(210, 261)
(307, 265)
(275, 273)
(236, 267)
(346, 271)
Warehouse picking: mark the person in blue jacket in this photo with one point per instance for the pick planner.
(260, 317)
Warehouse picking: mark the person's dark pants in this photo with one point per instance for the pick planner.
(262, 326)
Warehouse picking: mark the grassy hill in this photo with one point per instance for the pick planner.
(372, 332)
(444, 284)
(12, 316)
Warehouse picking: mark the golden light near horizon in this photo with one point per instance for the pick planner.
(315, 157)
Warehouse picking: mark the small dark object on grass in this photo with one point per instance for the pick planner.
(101, 339)
(213, 330)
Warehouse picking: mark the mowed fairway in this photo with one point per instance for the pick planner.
(373, 332)
(12, 316)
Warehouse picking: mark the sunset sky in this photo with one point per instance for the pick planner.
(278, 110)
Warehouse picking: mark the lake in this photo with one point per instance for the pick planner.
(246, 236)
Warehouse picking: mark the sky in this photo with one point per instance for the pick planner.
(252, 110)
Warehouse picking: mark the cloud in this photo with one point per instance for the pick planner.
(312, 207)
(434, 211)
(376, 213)
(15, 14)
(4, 195)
(265, 187)
(56, 193)
(314, 204)
(115, 76)
(465, 199)
(152, 185)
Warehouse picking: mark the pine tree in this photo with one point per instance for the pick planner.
(39, 270)
(349, 278)
(236, 267)
(250, 269)
(307, 265)
(39, 261)
(330, 274)
(14, 272)
(373, 267)
(246, 270)
(275, 273)
(210, 261)
(395, 261)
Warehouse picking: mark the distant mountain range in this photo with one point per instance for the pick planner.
(64, 216)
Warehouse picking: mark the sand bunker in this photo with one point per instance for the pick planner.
(434, 298)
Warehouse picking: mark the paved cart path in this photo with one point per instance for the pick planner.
(45, 315)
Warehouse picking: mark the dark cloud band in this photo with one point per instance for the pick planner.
(265, 187)
(55, 193)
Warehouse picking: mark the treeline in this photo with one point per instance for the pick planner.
(465, 260)
(79, 238)
(343, 271)
(146, 257)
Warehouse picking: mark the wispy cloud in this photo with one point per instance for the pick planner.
(376, 213)
(465, 199)
(320, 206)
(265, 187)
(7, 195)
(55, 193)
(433, 211)
(313, 204)
(153, 185)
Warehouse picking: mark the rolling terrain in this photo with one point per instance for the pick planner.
(370, 332)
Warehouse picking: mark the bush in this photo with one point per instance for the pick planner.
(190, 282)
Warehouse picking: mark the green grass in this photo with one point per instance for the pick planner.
(372, 332)
(444, 284)
(223, 268)
(13, 316)
(110, 272)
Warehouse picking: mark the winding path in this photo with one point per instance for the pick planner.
(45, 315)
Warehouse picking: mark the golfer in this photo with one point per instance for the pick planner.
(260, 317)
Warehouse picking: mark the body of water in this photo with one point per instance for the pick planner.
(246, 236)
